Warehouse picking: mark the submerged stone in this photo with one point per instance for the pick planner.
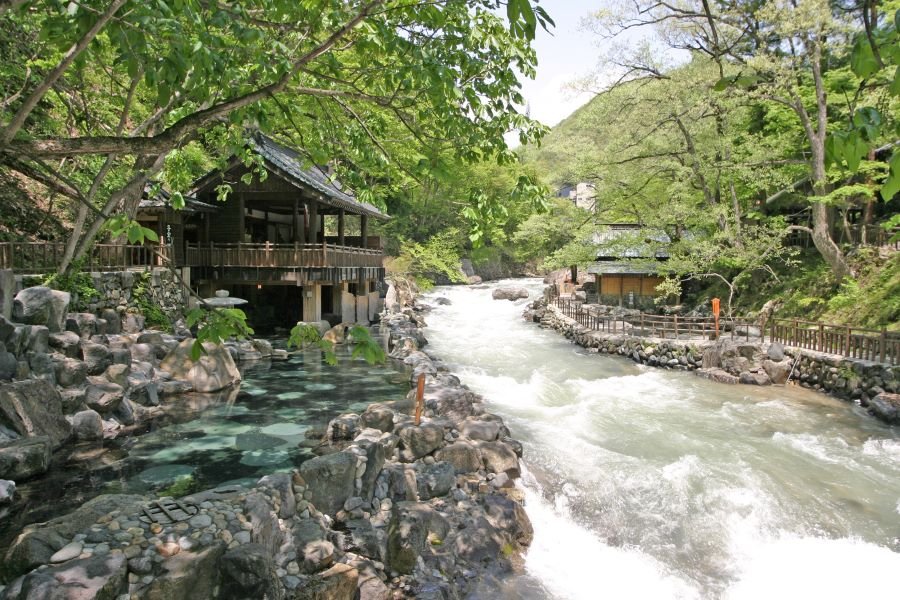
(257, 441)
(165, 474)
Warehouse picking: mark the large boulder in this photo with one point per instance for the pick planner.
(411, 524)
(249, 572)
(377, 416)
(337, 583)
(886, 406)
(97, 357)
(103, 396)
(498, 457)
(485, 431)
(71, 372)
(8, 364)
(24, 458)
(435, 480)
(464, 456)
(509, 293)
(778, 372)
(34, 408)
(314, 551)
(42, 306)
(96, 577)
(87, 425)
(38, 542)
(187, 576)
(213, 371)
(420, 441)
(66, 342)
(84, 325)
(330, 479)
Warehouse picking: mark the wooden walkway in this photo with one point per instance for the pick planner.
(851, 342)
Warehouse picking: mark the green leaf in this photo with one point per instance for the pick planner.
(197, 350)
(894, 88)
(891, 185)
(862, 61)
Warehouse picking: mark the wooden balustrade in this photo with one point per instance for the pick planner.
(45, 257)
(283, 256)
(852, 342)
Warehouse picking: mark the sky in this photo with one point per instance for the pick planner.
(564, 55)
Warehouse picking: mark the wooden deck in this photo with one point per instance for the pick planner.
(45, 257)
(28, 257)
(281, 256)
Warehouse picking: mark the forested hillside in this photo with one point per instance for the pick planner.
(762, 159)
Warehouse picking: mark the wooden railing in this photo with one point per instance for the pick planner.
(853, 342)
(284, 256)
(660, 326)
(45, 257)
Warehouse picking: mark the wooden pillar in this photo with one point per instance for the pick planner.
(313, 222)
(341, 227)
(363, 230)
(295, 224)
(241, 217)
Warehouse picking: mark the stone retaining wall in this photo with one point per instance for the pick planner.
(730, 361)
(122, 291)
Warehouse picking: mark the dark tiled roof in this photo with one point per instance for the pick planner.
(623, 268)
(160, 200)
(289, 164)
(643, 243)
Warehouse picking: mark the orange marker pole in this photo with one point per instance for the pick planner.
(420, 396)
(715, 309)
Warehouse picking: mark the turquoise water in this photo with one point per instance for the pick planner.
(205, 440)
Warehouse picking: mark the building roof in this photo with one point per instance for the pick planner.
(613, 242)
(287, 164)
(160, 200)
(623, 268)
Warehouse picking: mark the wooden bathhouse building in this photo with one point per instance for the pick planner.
(627, 267)
(295, 244)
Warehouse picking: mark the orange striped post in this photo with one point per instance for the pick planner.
(715, 310)
(420, 396)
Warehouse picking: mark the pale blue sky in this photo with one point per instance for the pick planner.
(564, 55)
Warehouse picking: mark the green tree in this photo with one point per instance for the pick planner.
(100, 93)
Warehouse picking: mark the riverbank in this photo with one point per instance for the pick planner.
(389, 510)
(874, 386)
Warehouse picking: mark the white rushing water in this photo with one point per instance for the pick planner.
(647, 483)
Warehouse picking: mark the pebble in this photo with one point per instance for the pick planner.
(101, 549)
(168, 549)
(200, 521)
(242, 537)
(293, 568)
(226, 536)
(429, 460)
(67, 552)
(114, 526)
(132, 551)
(155, 528)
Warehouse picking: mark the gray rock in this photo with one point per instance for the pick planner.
(132, 323)
(66, 342)
(775, 352)
(71, 372)
(265, 528)
(97, 577)
(464, 456)
(342, 428)
(83, 324)
(213, 371)
(34, 408)
(434, 481)
(249, 572)
(750, 378)
(363, 538)
(8, 364)
(509, 293)
(143, 353)
(103, 396)
(113, 321)
(420, 441)
(886, 406)
(411, 523)
(87, 425)
(41, 306)
(337, 583)
(67, 552)
(200, 521)
(37, 543)
(118, 373)
(778, 372)
(188, 576)
(486, 431)
(7, 491)
(331, 480)
(509, 517)
(377, 416)
(42, 366)
(314, 551)
(282, 484)
(497, 457)
(38, 339)
(97, 357)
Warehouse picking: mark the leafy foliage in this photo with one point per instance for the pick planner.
(79, 285)
(304, 335)
(216, 325)
(154, 316)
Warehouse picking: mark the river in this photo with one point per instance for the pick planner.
(649, 483)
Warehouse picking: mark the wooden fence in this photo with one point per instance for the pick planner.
(45, 257)
(284, 256)
(853, 342)
(661, 326)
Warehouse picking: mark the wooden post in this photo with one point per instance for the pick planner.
(820, 343)
(882, 345)
(420, 397)
(676, 326)
(847, 343)
(363, 231)
(295, 221)
(341, 227)
(312, 233)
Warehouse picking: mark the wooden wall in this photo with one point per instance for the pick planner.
(622, 285)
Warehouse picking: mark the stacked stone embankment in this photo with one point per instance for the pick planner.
(874, 386)
(389, 509)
